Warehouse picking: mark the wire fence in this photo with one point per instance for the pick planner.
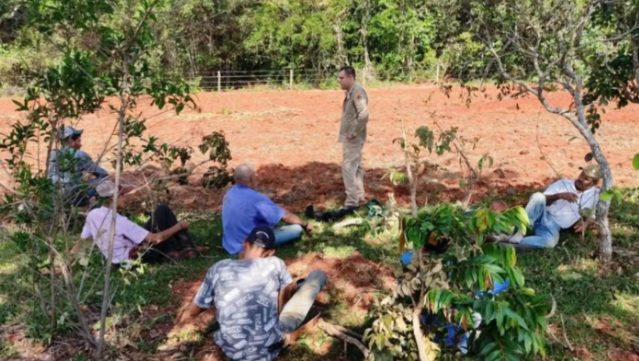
(225, 80)
(238, 79)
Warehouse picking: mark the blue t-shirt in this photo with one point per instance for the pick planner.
(242, 210)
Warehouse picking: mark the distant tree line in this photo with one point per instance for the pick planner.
(401, 40)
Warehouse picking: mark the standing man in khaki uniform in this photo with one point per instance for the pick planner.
(352, 135)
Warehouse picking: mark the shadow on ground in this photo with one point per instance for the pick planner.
(321, 184)
(599, 305)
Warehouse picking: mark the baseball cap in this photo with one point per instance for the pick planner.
(262, 236)
(69, 131)
(107, 189)
(592, 171)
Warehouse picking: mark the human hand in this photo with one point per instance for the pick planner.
(570, 197)
(87, 176)
(580, 226)
(308, 228)
(185, 224)
(350, 136)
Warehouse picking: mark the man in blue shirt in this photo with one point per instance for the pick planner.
(69, 165)
(244, 208)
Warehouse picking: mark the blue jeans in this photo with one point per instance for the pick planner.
(286, 234)
(453, 330)
(546, 230)
(296, 309)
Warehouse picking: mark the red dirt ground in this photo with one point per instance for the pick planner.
(290, 137)
(353, 280)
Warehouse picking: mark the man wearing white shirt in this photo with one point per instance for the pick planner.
(161, 239)
(560, 207)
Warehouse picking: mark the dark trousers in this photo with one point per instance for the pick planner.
(162, 219)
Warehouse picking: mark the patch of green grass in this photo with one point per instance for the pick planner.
(591, 301)
(14, 286)
(153, 286)
(598, 305)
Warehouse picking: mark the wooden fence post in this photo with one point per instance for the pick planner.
(219, 81)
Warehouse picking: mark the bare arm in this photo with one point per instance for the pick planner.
(552, 198)
(77, 247)
(157, 238)
(291, 218)
(190, 314)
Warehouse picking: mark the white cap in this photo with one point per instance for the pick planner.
(106, 189)
(68, 132)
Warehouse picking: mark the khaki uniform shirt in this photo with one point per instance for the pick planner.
(354, 115)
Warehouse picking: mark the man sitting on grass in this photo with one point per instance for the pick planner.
(70, 164)
(162, 237)
(244, 208)
(560, 207)
(248, 295)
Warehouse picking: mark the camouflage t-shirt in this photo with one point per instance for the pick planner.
(245, 294)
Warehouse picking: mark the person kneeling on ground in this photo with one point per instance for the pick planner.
(244, 208)
(559, 208)
(162, 237)
(248, 295)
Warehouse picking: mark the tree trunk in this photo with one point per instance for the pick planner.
(413, 186)
(419, 335)
(635, 61)
(106, 297)
(417, 312)
(409, 57)
(605, 237)
(342, 58)
(364, 32)
(412, 182)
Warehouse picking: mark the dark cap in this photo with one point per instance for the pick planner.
(262, 236)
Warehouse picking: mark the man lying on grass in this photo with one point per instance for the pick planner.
(161, 239)
(244, 208)
(560, 207)
(249, 294)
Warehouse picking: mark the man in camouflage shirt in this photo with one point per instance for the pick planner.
(249, 296)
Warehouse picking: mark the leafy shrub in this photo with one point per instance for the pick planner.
(452, 296)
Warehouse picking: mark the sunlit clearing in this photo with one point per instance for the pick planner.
(8, 268)
(626, 302)
(584, 265)
(341, 252)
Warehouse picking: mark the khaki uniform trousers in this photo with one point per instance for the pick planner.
(352, 173)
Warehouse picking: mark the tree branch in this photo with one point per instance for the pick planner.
(336, 332)
(139, 27)
(106, 301)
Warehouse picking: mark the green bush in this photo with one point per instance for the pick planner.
(455, 288)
